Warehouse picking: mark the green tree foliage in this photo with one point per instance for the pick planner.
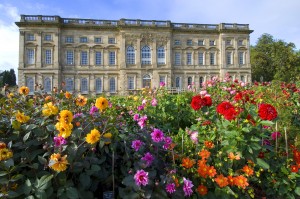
(8, 77)
(273, 59)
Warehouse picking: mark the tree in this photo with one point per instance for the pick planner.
(8, 77)
(273, 59)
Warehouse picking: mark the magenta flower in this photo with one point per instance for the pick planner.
(144, 102)
(140, 108)
(142, 121)
(194, 137)
(136, 144)
(157, 135)
(170, 188)
(136, 117)
(78, 115)
(148, 158)
(162, 84)
(168, 142)
(187, 187)
(204, 92)
(141, 178)
(154, 102)
(275, 134)
(58, 141)
(93, 110)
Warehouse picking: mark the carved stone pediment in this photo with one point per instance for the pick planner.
(162, 40)
(147, 37)
(131, 39)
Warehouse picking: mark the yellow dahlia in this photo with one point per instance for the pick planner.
(107, 138)
(24, 90)
(101, 103)
(81, 100)
(68, 95)
(49, 109)
(65, 129)
(93, 136)
(5, 154)
(58, 162)
(65, 116)
(21, 117)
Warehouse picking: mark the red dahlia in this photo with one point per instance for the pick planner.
(207, 100)
(223, 107)
(198, 102)
(267, 112)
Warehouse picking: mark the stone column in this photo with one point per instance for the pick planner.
(154, 55)
(122, 52)
(138, 53)
(39, 52)
(57, 52)
(168, 54)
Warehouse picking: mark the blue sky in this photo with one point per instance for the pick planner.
(276, 17)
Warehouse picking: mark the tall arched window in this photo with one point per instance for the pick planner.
(161, 55)
(84, 85)
(69, 84)
(190, 80)
(201, 82)
(47, 84)
(98, 85)
(146, 55)
(30, 84)
(146, 81)
(130, 55)
(112, 85)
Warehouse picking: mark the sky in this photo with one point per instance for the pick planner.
(279, 18)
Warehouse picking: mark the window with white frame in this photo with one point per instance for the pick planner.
(130, 80)
(161, 55)
(189, 60)
(130, 55)
(177, 42)
(98, 85)
(84, 85)
(178, 82)
(190, 81)
(69, 84)
(112, 85)
(47, 84)
(212, 58)
(30, 84)
(146, 55)
(229, 58)
(177, 58)
(112, 58)
(30, 37)
(48, 56)
(69, 39)
(241, 58)
(98, 40)
(201, 79)
(30, 56)
(228, 42)
(111, 40)
(200, 42)
(70, 57)
(83, 39)
(189, 42)
(48, 37)
(201, 58)
(240, 42)
(212, 42)
(84, 58)
(98, 58)
(162, 78)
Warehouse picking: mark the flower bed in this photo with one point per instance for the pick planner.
(230, 140)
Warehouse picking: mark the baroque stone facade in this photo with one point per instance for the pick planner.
(121, 56)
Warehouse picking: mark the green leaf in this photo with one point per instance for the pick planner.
(26, 136)
(41, 194)
(29, 197)
(128, 181)
(266, 123)
(16, 177)
(85, 180)
(262, 163)
(72, 193)
(43, 182)
(297, 191)
(3, 173)
(50, 128)
(9, 163)
(42, 160)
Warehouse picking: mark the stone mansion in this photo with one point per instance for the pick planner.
(92, 56)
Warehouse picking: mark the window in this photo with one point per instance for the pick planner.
(47, 84)
(130, 83)
(112, 85)
(112, 40)
(146, 55)
(189, 42)
(190, 81)
(98, 58)
(98, 85)
(84, 58)
(228, 42)
(48, 57)
(162, 78)
(229, 58)
(69, 39)
(30, 56)
(212, 42)
(200, 42)
(189, 58)
(240, 42)
(98, 40)
(69, 84)
(30, 37)
(242, 78)
(146, 81)
(83, 39)
(48, 38)
(201, 58)
(130, 55)
(84, 85)
(201, 82)
(30, 84)
(177, 42)
(241, 58)
(112, 58)
(161, 57)
(177, 58)
(178, 83)
(70, 57)
(212, 58)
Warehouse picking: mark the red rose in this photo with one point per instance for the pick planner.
(267, 112)
(207, 101)
(196, 102)
(223, 107)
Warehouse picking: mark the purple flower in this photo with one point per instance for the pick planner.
(275, 135)
(136, 144)
(168, 141)
(187, 187)
(162, 84)
(141, 178)
(93, 110)
(136, 117)
(194, 137)
(154, 102)
(130, 112)
(170, 188)
(266, 142)
(140, 108)
(157, 135)
(148, 158)
(78, 115)
(58, 141)
(142, 121)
